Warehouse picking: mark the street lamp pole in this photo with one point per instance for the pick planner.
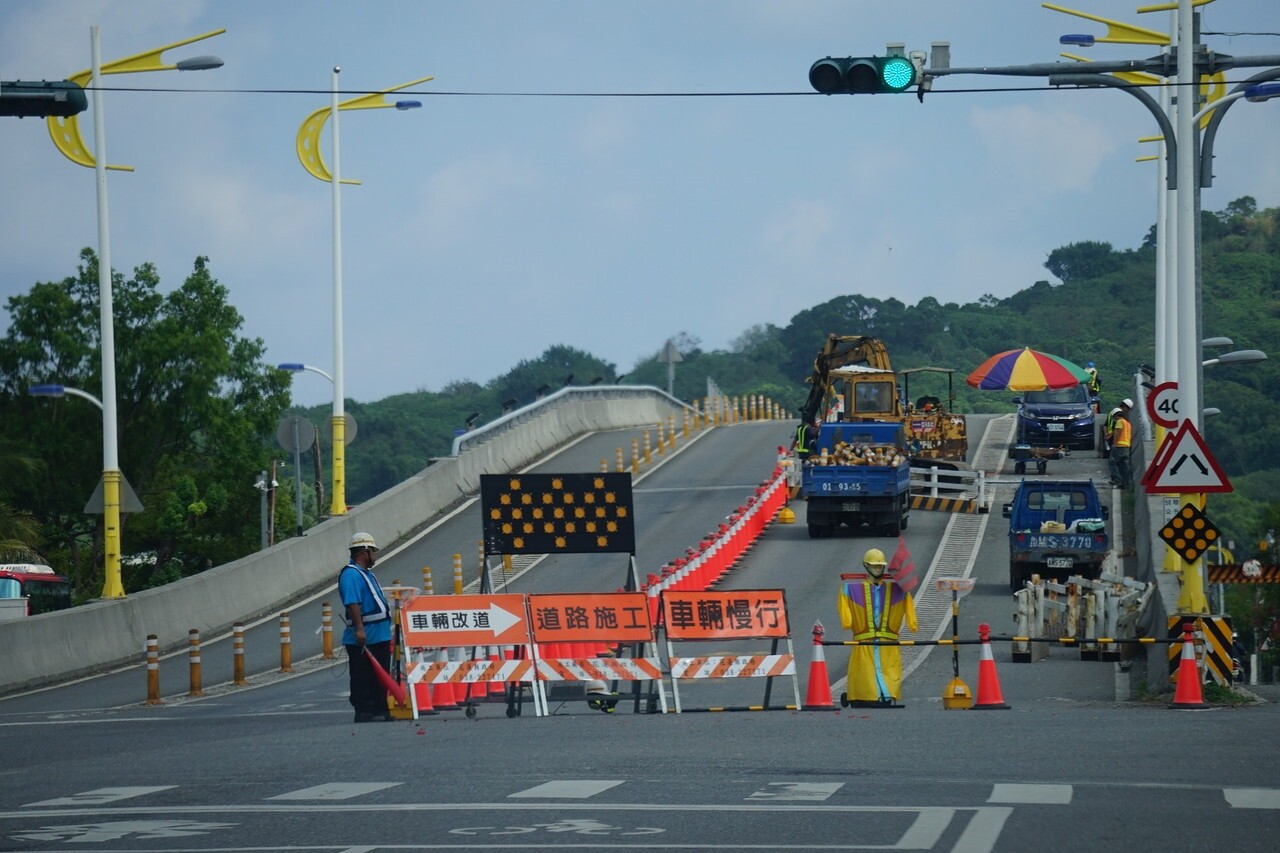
(308, 146)
(112, 585)
(338, 503)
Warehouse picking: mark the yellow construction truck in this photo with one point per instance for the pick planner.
(854, 381)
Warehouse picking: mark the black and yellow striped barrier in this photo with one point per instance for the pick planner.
(924, 502)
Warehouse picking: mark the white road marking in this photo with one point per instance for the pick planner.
(1044, 795)
(578, 789)
(1252, 798)
(100, 795)
(335, 791)
(794, 791)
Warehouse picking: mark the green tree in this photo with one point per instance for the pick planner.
(1083, 260)
(195, 406)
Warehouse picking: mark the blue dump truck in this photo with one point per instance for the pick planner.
(1057, 528)
(858, 473)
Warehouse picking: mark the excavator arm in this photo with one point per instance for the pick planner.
(839, 351)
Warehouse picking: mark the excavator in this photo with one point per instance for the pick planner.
(853, 380)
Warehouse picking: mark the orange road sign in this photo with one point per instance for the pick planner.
(590, 617)
(730, 614)
(432, 621)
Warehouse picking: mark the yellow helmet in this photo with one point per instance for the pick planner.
(874, 557)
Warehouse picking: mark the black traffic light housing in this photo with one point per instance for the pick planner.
(23, 99)
(863, 75)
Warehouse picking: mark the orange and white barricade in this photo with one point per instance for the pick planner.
(745, 614)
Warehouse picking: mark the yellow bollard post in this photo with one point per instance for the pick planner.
(326, 631)
(671, 431)
(604, 466)
(153, 670)
(427, 587)
(286, 644)
(684, 424)
(237, 655)
(635, 455)
(618, 460)
(479, 560)
(193, 660)
(648, 452)
(457, 574)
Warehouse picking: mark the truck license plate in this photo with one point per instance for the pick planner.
(1058, 562)
(1055, 427)
(851, 506)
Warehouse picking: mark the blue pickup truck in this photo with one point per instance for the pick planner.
(1056, 528)
(857, 473)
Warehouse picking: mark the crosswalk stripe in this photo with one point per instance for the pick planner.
(1252, 798)
(797, 791)
(1047, 795)
(101, 795)
(335, 791)
(575, 789)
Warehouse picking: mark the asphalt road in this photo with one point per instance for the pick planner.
(280, 766)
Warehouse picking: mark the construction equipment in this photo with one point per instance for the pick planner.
(853, 380)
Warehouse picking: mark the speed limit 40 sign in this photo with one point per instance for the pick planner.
(1162, 405)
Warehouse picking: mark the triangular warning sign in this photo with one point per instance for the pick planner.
(1188, 466)
(1157, 461)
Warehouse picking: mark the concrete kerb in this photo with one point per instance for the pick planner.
(57, 647)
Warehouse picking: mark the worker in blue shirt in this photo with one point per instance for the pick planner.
(368, 618)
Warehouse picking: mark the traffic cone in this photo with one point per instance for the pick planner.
(443, 696)
(1188, 695)
(818, 695)
(989, 695)
(422, 696)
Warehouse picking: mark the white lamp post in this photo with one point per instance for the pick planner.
(308, 146)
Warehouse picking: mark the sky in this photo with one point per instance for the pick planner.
(493, 224)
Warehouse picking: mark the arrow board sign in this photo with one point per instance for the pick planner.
(1188, 466)
(465, 620)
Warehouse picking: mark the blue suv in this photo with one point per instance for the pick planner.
(1064, 417)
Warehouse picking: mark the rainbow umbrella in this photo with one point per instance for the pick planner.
(1026, 370)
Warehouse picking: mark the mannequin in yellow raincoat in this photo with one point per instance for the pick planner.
(875, 672)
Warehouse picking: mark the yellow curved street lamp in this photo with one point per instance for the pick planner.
(65, 131)
(308, 146)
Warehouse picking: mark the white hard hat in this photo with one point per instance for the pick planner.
(1116, 410)
(363, 540)
(1127, 402)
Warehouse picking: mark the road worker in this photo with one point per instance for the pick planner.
(874, 608)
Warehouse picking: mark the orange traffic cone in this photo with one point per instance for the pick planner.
(443, 696)
(422, 697)
(818, 696)
(1188, 695)
(989, 696)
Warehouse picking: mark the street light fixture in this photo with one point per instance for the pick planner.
(65, 132)
(1244, 356)
(1077, 39)
(1217, 342)
(57, 391)
(298, 367)
(308, 148)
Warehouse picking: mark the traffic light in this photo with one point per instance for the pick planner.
(859, 75)
(57, 98)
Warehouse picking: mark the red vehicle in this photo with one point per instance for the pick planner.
(27, 589)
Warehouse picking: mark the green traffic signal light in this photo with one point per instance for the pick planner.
(862, 75)
(29, 99)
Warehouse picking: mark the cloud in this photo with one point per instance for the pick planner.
(1055, 150)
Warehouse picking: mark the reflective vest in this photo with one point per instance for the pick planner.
(381, 610)
(802, 435)
(877, 630)
(1095, 384)
(1124, 432)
